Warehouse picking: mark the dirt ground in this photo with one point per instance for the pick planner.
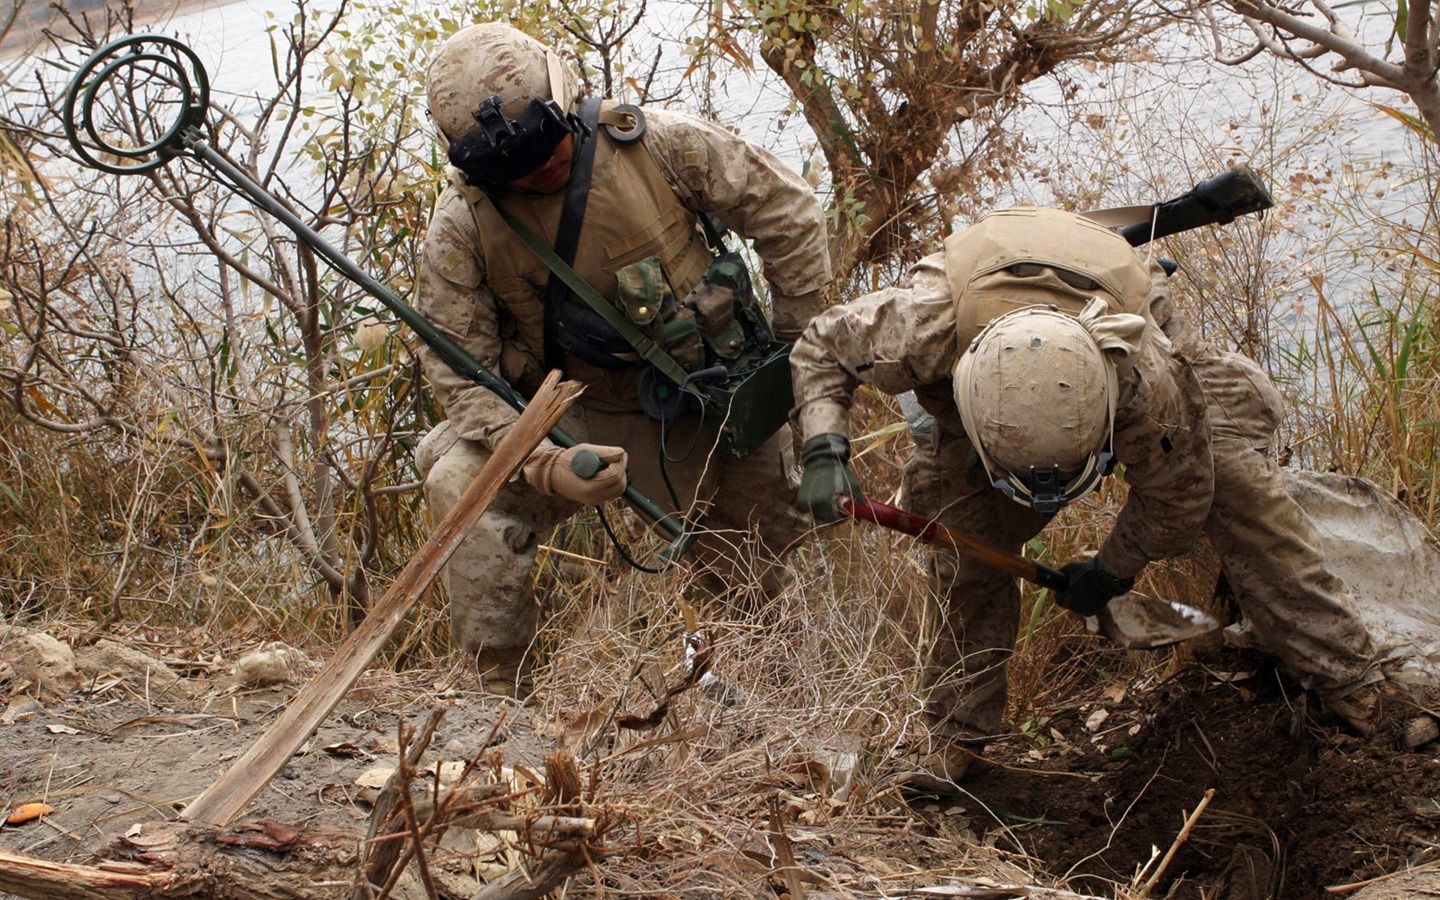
(109, 760)
(1298, 807)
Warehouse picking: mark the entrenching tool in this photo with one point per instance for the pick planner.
(140, 102)
(1217, 200)
(1132, 620)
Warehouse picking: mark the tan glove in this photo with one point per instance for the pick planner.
(552, 471)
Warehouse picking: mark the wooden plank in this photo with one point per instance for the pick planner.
(224, 799)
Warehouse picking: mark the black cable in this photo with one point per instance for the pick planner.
(694, 441)
(620, 548)
(669, 486)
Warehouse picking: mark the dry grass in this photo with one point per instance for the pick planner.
(789, 743)
(789, 749)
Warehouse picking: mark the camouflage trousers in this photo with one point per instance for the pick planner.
(1268, 548)
(490, 581)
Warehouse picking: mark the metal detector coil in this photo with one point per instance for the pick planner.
(148, 89)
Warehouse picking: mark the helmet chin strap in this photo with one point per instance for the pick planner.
(1043, 492)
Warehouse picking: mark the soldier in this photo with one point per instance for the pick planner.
(1041, 342)
(618, 193)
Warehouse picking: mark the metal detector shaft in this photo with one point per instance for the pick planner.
(451, 353)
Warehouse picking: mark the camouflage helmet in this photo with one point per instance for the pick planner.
(493, 59)
(1037, 396)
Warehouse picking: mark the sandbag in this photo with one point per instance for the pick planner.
(1390, 562)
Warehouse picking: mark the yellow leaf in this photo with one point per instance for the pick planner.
(688, 614)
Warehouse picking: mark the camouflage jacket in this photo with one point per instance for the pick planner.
(905, 338)
(643, 201)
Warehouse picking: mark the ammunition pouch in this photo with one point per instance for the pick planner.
(644, 295)
(734, 370)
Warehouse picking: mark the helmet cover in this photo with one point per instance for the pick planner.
(1037, 396)
(501, 101)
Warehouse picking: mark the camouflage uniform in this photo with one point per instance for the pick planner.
(1271, 554)
(483, 287)
(1184, 475)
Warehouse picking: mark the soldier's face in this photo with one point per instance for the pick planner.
(554, 174)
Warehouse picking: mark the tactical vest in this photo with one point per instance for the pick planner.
(633, 214)
(1006, 261)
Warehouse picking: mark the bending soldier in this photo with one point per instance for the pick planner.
(618, 193)
(1041, 343)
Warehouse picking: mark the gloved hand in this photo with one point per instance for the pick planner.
(827, 475)
(550, 470)
(1091, 587)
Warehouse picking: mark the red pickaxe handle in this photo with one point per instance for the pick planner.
(936, 533)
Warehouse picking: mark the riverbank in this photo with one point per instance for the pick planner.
(27, 34)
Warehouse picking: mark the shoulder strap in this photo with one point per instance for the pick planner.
(567, 235)
(715, 232)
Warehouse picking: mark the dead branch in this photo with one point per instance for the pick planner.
(262, 860)
(223, 800)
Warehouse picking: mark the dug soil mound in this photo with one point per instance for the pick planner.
(1299, 809)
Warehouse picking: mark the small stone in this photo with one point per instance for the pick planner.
(1418, 732)
(275, 663)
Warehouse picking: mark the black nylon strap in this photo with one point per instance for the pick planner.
(714, 232)
(567, 234)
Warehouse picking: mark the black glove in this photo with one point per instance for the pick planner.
(826, 475)
(1091, 587)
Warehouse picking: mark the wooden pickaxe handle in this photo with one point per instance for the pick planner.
(936, 533)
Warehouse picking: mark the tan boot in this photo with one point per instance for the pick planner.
(505, 671)
(1360, 709)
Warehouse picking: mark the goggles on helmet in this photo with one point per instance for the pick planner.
(1044, 493)
(499, 149)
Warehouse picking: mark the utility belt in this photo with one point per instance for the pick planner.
(712, 352)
